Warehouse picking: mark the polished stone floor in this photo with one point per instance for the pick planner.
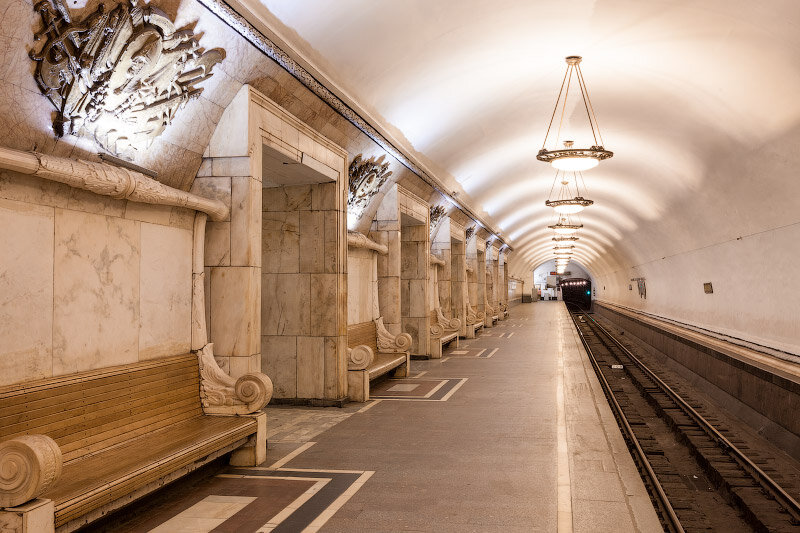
(508, 432)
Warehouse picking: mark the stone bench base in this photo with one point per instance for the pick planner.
(358, 380)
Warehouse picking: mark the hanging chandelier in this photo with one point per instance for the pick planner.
(566, 203)
(570, 158)
(564, 239)
(565, 227)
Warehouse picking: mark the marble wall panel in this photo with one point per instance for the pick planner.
(165, 292)
(281, 242)
(26, 291)
(245, 221)
(334, 231)
(235, 309)
(335, 365)
(279, 362)
(296, 198)
(218, 244)
(361, 286)
(324, 304)
(310, 367)
(286, 304)
(312, 241)
(96, 291)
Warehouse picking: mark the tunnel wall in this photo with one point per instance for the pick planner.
(759, 393)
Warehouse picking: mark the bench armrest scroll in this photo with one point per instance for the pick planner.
(29, 466)
(222, 395)
(360, 357)
(388, 343)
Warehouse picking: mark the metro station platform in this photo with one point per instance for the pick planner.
(509, 432)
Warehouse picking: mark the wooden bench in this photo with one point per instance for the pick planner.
(122, 432)
(490, 316)
(372, 352)
(443, 330)
(503, 309)
(474, 321)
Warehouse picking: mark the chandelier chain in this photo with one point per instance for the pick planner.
(553, 116)
(564, 105)
(587, 102)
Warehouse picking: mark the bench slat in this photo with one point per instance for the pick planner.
(89, 402)
(100, 479)
(62, 396)
(7, 392)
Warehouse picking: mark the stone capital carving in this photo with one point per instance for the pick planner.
(359, 240)
(220, 394)
(119, 76)
(388, 343)
(107, 180)
(29, 466)
(451, 324)
(360, 357)
(469, 232)
(365, 180)
(436, 261)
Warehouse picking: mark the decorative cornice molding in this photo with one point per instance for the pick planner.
(244, 28)
(107, 180)
(359, 240)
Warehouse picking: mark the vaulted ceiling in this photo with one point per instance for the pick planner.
(699, 100)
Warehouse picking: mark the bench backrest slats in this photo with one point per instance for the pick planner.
(363, 333)
(90, 411)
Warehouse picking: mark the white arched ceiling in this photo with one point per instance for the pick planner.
(698, 100)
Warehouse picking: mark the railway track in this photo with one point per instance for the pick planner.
(698, 479)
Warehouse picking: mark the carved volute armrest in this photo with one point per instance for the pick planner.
(449, 324)
(436, 330)
(480, 315)
(222, 395)
(29, 466)
(360, 357)
(388, 343)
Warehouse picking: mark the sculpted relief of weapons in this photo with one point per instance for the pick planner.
(118, 76)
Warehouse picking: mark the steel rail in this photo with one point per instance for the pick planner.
(762, 478)
(664, 502)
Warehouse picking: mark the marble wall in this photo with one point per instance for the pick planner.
(414, 272)
(301, 333)
(458, 280)
(278, 266)
(87, 281)
(385, 230)
(362, 286)
(440, 247)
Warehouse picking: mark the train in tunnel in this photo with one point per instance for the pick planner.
(577, 291)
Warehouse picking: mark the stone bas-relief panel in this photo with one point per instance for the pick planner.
(120, 75)
(26, 291)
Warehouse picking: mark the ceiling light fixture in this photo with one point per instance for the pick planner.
(570, 158)
(565, 227)
(566, 203)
